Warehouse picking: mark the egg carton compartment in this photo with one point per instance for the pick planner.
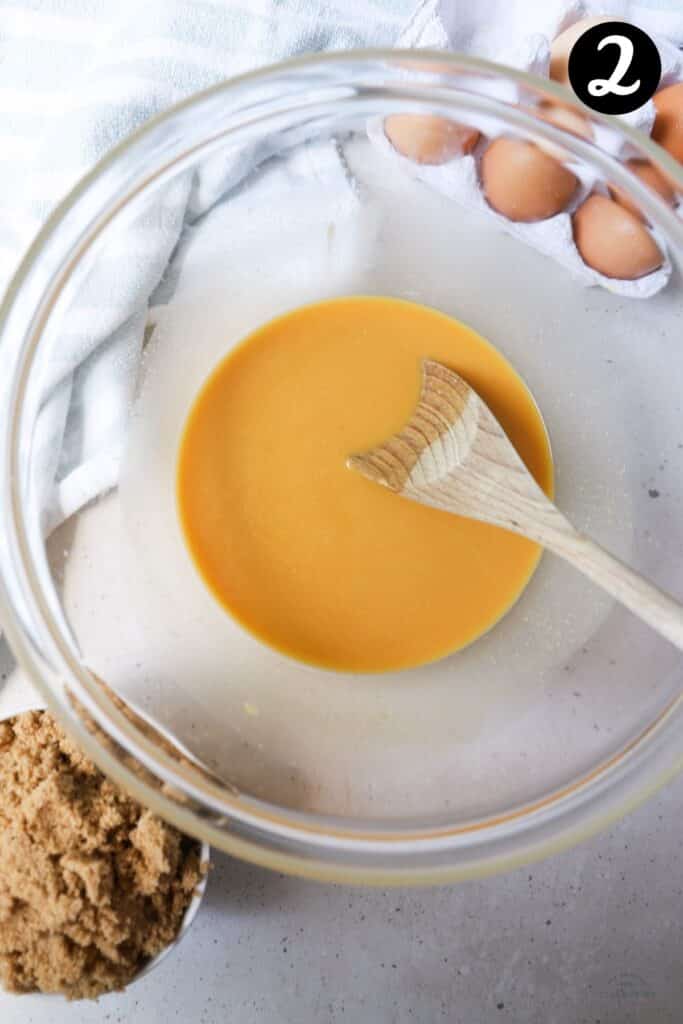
(459, 175)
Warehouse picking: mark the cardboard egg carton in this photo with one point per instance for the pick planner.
(460, 177)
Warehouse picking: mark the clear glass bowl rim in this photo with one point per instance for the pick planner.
(310, 845)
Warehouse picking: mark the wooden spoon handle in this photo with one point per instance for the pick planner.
(454, 455)
(529, 512)
(641, 597)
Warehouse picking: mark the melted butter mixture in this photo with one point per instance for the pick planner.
(309, 556)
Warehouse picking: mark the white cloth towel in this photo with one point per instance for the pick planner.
(76, 76)
(135, 61)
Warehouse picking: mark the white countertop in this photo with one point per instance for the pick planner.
(593, 935)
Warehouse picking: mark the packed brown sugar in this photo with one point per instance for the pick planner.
(92, 885)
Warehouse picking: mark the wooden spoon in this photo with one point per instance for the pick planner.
(454, 455)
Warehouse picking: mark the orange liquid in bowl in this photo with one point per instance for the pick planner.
(309, 556)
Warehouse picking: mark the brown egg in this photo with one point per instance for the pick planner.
(648, 174)
(524, 183)
(668, 127)
(613, 241)
(562, 45)
(567, 119)
(428, 139)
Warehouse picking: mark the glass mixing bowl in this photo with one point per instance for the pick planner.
(564, 715)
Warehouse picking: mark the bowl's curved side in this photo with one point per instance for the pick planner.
(267, 834)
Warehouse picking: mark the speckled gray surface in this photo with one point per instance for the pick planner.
(594, 936)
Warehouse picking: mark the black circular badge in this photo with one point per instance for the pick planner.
(614, 67)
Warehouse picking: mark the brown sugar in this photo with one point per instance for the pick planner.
(92, 885)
